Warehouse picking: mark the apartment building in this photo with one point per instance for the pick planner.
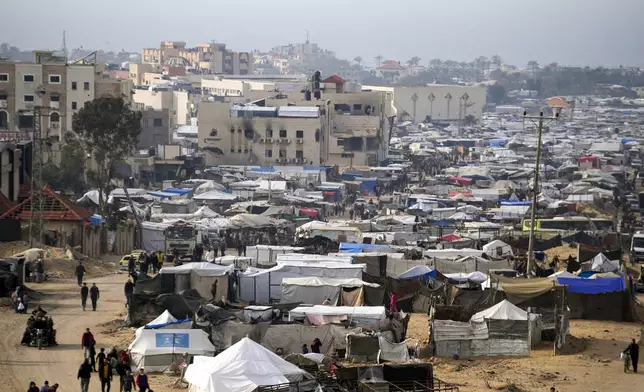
(177, 103)
(211, 58)
(234, 134)
(350, 129)
(61, 89)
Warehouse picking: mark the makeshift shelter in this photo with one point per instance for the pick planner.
(314, 290)
(202, 277)
(509, 330)
(155, 350)
(265, 286)
(243, 367)
(320, 314)
(498, 249)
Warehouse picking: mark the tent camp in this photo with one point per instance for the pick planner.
(497, 249)
(243, 367)
(165, 321)
(359, 314)
(315, 290)
(156, 349)
(200, 277)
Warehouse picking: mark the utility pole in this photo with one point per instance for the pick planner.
(448, 97)
(431, 98)
(414, 100)
(533, 213)
(36, 224)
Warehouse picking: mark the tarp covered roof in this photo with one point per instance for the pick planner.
(504, 310)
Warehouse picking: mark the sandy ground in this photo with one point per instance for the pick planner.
(590, 362)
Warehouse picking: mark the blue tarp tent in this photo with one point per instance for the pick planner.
(349, 247)
(163, 325)
(498, 142)
(179, 191)
(593, 286)
(628, 140)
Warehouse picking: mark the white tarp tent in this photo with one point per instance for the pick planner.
(364, 314)
(600, 263)
(155, 349)
(200, 276)
(242, 367)
(165, 321)
(315, 290)
(152, 236)
(498, 249)
(504, 310)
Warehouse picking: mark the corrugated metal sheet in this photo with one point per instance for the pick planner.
(500, 347)
(299, 111)
(455, 330)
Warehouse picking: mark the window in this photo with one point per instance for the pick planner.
(74, 86)
(282, 154)
(54, 79)
(4, 78)
(357, 107)
(269, 133)
(3, 97)
(340, 142)
(299, 134)
(54, 117)
(86, 86)
(268, 153)
(25, 121)
(299, 154)
(28, 98)
(74, 105)
(283, 133)
(54, 98)
(158, 122)
(28, 78)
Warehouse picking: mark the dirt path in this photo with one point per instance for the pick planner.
(19, 365)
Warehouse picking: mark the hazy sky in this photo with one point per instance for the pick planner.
(575, 32)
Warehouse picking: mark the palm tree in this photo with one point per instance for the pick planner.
(358, 60)
(378, 59)
(533, 65)
(414, 61)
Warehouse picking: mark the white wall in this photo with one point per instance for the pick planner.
(79, 74)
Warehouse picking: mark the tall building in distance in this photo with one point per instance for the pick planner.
(210, 58)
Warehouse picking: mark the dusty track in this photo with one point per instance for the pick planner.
(19, 365)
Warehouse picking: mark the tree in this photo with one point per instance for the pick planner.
(69, 175)
(378, 59)
(109, 130)
(496, 93)
(435, 63)
(533, 66)
(414, 61)
(358, 60)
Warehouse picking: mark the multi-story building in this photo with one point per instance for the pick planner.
(340, 128)
(177, 103)
(155, 127)
(60, 88)
(211, 58)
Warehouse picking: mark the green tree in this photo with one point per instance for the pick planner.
(435, 63)
(497, 61)
(414, 61)
(358, 60)
(378, 59)
(109, 130)
(496, 93)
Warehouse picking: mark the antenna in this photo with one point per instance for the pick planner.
(65, 45)
(307, 36)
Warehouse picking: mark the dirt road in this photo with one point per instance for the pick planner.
(19, 365)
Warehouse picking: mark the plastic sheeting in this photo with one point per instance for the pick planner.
(362, 314)
(348, 247)
(593, 286)
(394, 352)
(504, 310)
(291, 337)
(241, 368)
(153, 237)
(498, 249)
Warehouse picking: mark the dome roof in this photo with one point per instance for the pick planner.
(177, 61)
(557, 102)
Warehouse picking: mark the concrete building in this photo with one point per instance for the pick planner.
(211, 58)
(67, 87)
(391, 71)
(436, 101)
(155, 127)
(348, 128)
(165, 98)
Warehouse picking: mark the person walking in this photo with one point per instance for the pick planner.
(129, 291)
(84, 295)
(633, 350)
(128, 381)
(142, 381)
(84, 375)
(87, 341)
(315, 346)
(93, 295)
(121, 369)
(131, 266)
(80, 272)
(33, 387)
(45, 387)
(100, 358)
(105, 375)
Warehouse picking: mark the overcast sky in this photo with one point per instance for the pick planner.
(574, 32)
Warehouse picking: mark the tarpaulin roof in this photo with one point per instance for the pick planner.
(242, 367)
(418, 271)
(201, 269)
(504, 310)
(349, 247)
(593, 286)
(316, 281)
(519, 290)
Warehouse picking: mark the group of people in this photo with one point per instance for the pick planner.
(93, 293)
(315, 347)
(45, 387)
(20, 300)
